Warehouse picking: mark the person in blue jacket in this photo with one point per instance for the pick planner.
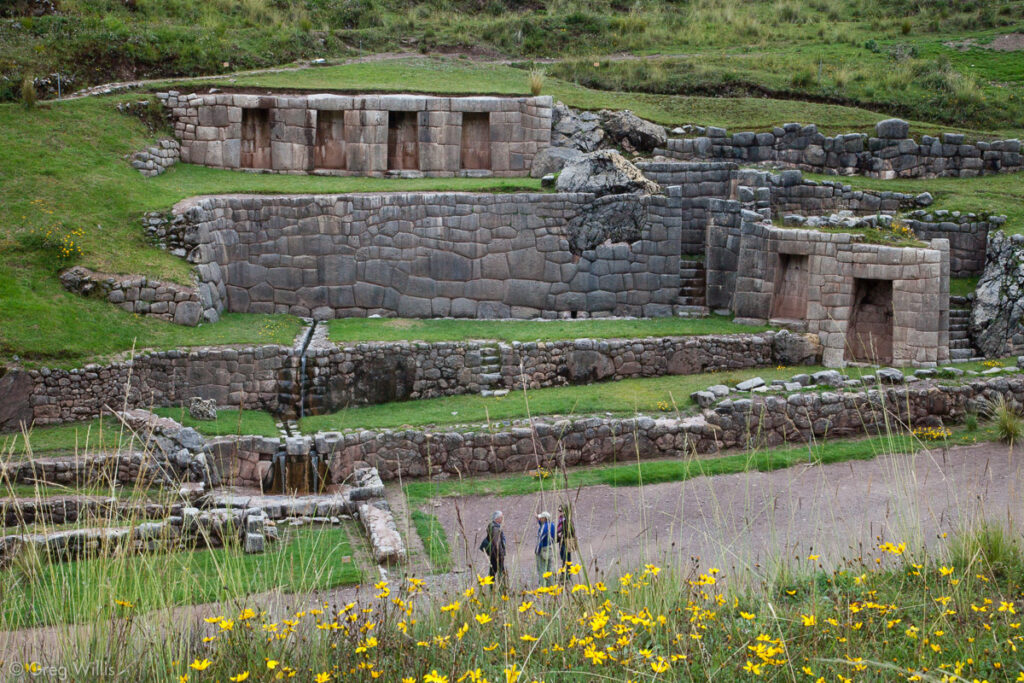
(545, 550)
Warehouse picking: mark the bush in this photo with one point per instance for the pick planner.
(987, 547)
(1008, 422)
(905, 27)
(28, 92)
(804, 78)
(536, 81)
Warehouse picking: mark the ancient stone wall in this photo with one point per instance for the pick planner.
(433, 254)
(138, 294)
(759, 421)
(270, 377)
(407, 135)
(917, 315)
(889, 154)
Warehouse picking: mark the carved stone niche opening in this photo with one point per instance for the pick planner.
(789, 301)
(330, 140)
(403, 141)
(869, 334)
(255, 149)
(476, 141)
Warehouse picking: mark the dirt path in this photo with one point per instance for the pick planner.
(753, 520)
(747, 520)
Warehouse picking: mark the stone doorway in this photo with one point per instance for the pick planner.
(476, 141)
(330, 140)
(403, 141)
(255, 152)
(789, 301)
(869, 335)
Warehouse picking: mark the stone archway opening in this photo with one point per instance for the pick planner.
(869, 334)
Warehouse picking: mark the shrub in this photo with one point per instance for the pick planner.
(971, 422)
(988, 547)
(28, 92)
(804, 78)
(536, 81)
(1008, 422)
(905, 27)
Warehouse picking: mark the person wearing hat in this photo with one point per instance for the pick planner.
(545, 550)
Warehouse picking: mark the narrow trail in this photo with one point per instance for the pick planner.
(119, 86)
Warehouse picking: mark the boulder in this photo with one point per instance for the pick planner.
(15, 399)
(889, 376)
(830, 378)
(789, 348)
(997, 314)
(551, 160)
(615, 218)
(892, 129)
(581, 131)
(602, 173)
(632, 132)
(750, 384)
(704, 399)
(586, 365)
(204, 409)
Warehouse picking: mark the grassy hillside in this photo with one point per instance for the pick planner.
(891, 53)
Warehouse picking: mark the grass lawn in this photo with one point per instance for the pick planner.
(661, 471)
(1001, 194)
(439, 75)
(404, 329)
(229, 422)
(625, 397)
(62, 169)
(435, 541)
(962, 286)
(306, 559)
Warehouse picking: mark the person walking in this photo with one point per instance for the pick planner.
(566, 535)
(545, 550)
(494, 545)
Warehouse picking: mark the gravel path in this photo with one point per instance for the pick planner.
(752, 520)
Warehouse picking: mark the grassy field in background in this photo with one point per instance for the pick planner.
(345, 330)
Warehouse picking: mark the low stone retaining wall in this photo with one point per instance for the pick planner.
(153, 161)
(138, 294)
(889, 154)
(62, 510)
(191, 528)
(269, 377)
(759, 421)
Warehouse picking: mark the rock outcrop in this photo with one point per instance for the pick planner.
(633, 133)
(602, 173)
(997, 318)
(580, 131)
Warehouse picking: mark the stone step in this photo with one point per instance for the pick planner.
(490, 377)
(960, 301)
(691, 274)
(960, 344)
(961, 354)
(959, 313)
(690, 311)
(494, 392)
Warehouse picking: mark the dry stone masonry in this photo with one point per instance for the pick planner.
(138, 294)
(406, 135)
(888, 154)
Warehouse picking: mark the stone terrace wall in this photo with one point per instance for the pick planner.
(138, 294)
(214, 131)
(833, 263)
(769, 421)
(890, 154)
(432, 254)
(268, 377)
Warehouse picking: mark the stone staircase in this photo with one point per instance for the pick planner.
(961, 346)
(490, 371)
(692, 301)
